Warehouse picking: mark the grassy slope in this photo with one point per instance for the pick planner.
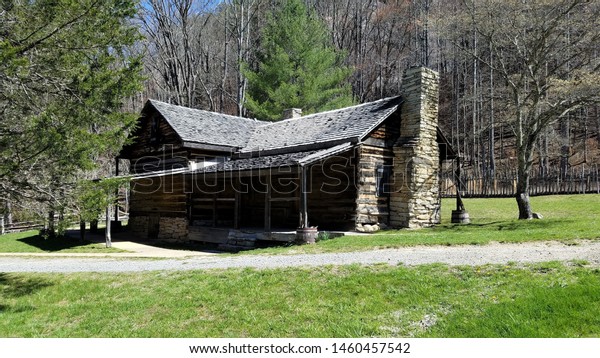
(547, 300)
(31, 242)
(566, 217)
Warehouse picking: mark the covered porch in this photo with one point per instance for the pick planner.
(267, 198)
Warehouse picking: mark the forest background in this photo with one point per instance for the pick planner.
(195, 50)
(201, 53)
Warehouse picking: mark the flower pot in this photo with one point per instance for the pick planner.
(306, 235)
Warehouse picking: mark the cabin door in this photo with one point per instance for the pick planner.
(153, 226)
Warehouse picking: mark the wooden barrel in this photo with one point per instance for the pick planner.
(460, 217)
(306, 235)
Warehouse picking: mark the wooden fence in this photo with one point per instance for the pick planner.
(19, 226)
(581, 181)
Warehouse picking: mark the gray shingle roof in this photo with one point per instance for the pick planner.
(346, 124)
(198, 126)
(260, 162)
(350, 123)
(292, 159)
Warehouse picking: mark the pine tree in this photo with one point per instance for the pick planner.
(64, 74)
(297, 67)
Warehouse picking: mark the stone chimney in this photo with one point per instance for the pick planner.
(414, 201)
(292, 113)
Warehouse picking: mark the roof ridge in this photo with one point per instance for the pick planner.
(203, 110)
(267, 123)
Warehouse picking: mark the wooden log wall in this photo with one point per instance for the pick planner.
(217, 195)
(212, 201)
(332, 193)
(164, 195)
(331, 198)
(152, 133)
(160, 148)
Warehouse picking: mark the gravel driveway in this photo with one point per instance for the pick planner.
(452, 255)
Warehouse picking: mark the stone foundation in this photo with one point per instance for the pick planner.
(173, 229)
(169, 229)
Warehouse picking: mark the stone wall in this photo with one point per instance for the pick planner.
(372, 211)
(169, 229)
(173, 229)
(414, 201)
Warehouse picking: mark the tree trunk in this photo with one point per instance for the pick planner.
(8, 213)
(565, 149)
(82, 230)
(51, 224)
(522, 193)
(524, 206)
(107, 231)
(492, 133)
(597, 124)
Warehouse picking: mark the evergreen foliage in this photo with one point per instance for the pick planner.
(64, 74)
(297, 67)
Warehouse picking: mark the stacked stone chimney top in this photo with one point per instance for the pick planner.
(291, 113)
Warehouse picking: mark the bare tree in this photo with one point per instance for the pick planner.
(547, 75)
(241, 25)
(175, 56)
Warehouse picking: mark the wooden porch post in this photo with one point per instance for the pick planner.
(460, 215)
(237, 206)
(459, 203)
(214, 209)
(303, 198)
(268, 204)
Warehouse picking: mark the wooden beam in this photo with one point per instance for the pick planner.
(243, 173)
(273, 200)
(268, 204)
(190, 208)
(215, 210)
(298, 148)
(237, 206)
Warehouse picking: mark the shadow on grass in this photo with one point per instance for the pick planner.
(546, 224)
(185, 246)
(15, 286)
(53, 244)
(508, 225)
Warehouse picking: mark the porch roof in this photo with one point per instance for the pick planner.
(276, 160)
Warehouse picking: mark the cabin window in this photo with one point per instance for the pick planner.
(382, 180)
(154, 130)
(204, 162)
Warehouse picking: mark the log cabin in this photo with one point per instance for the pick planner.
(211, 177)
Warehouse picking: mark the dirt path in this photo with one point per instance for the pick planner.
(452, 255)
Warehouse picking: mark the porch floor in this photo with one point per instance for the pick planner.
(245, 237)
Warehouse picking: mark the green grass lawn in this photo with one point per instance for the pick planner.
(566, 218)
(544, 300)
(31, 242)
